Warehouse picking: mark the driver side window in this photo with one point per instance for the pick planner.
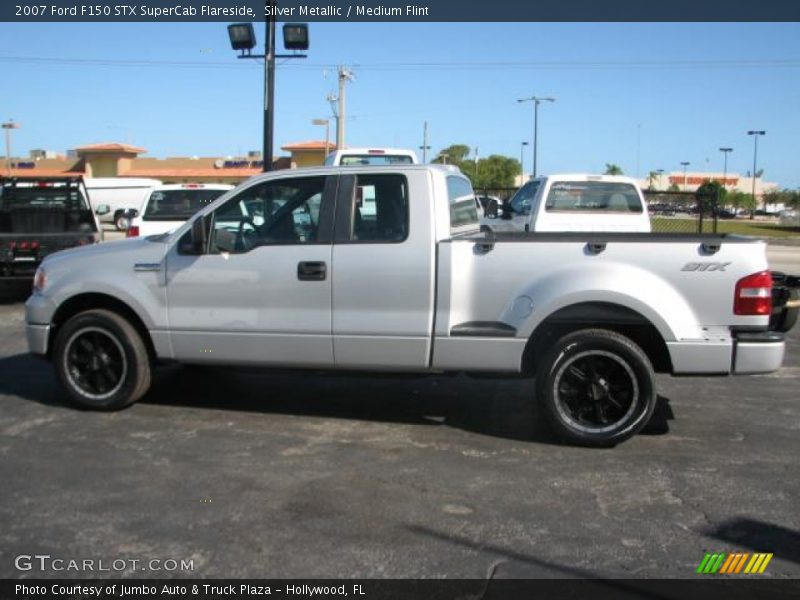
(283, 211)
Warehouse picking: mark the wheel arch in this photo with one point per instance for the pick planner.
(597, 315)
(89, 301)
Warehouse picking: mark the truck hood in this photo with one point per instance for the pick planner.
(129, 250)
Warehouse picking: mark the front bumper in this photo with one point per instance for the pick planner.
(38, 316)
(37, 335)
(760, 352)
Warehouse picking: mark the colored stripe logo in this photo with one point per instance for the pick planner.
(734, 563)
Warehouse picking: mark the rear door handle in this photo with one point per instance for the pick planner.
(311, 271)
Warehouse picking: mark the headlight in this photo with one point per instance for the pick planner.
(39, 281)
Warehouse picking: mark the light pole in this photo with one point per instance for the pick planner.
(327, 123)
(725, 152)
(243, 38)
(536, 102)
(8, 126)
(660, 175)
(755, 134)
(685, 164)
(521, 159)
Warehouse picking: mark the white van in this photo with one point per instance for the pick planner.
(169, 206)
(120, 194)
(355, 157)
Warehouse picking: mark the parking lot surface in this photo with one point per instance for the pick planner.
(314, 475)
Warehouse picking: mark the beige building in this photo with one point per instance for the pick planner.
(693, 180)
(122, 160)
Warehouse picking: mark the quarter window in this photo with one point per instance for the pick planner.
(380, 209)
(463, 210)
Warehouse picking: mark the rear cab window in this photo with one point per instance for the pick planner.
(178, 205)
(463, 209)
(593, 196)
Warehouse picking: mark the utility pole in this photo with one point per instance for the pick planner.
(536, 102)
(269, 90)
(755, 134)
(340, 112)
(425, 147)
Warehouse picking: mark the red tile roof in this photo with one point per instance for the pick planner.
(110, 147)
(309, 145)
(156, 173)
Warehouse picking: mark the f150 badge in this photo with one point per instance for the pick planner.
(705, 266)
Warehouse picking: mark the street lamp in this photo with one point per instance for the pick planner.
(521, 159)
(725, 152)
(660, 173)
(327, 123)
(536, 102)
(243, 39)
(8, 126)
(685, 164)
(755, 134)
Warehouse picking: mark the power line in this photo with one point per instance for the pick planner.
(439, 65)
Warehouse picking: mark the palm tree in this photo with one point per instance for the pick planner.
(612, 169)
(650, 177)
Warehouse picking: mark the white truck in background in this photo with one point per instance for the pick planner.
(122, 195)
(374, 157)
(574, 202)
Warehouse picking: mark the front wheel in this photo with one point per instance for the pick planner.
(596, 387)
(101, 360)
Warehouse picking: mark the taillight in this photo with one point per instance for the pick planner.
(23, 245)
(133, 231)
(34, 245)
(753, 294)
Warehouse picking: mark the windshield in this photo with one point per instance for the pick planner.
(523, 200)
(178, 205)
(375, 159)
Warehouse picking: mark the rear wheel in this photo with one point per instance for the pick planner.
(101, 360)
(596, 387)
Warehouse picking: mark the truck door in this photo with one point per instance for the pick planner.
(384, 271)
(261, 291)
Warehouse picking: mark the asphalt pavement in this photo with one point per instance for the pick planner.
(313, 475)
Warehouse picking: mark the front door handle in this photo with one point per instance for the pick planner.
(311, 271)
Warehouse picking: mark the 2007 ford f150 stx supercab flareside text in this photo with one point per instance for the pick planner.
(385, 269)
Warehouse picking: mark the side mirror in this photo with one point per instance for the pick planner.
(102, 209)
(491, 210)
(199, 236)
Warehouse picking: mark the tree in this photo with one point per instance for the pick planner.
(740, 200)
(673, 188)
(612, 169)
(786, 197)
(712, 191)
(454, 154)
(495, 171)
(650, 177)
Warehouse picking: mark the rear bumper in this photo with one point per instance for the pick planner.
(760, 352)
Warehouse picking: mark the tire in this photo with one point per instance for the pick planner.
(121, 222)
(596, 388)
(101, 361)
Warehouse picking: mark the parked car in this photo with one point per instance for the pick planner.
(39, 217)
(168, 206)
(123, 196)
(408, 284)
(572, 203)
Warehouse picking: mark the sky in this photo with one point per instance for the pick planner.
(645, 96)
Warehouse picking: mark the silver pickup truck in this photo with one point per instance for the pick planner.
(385, 269)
